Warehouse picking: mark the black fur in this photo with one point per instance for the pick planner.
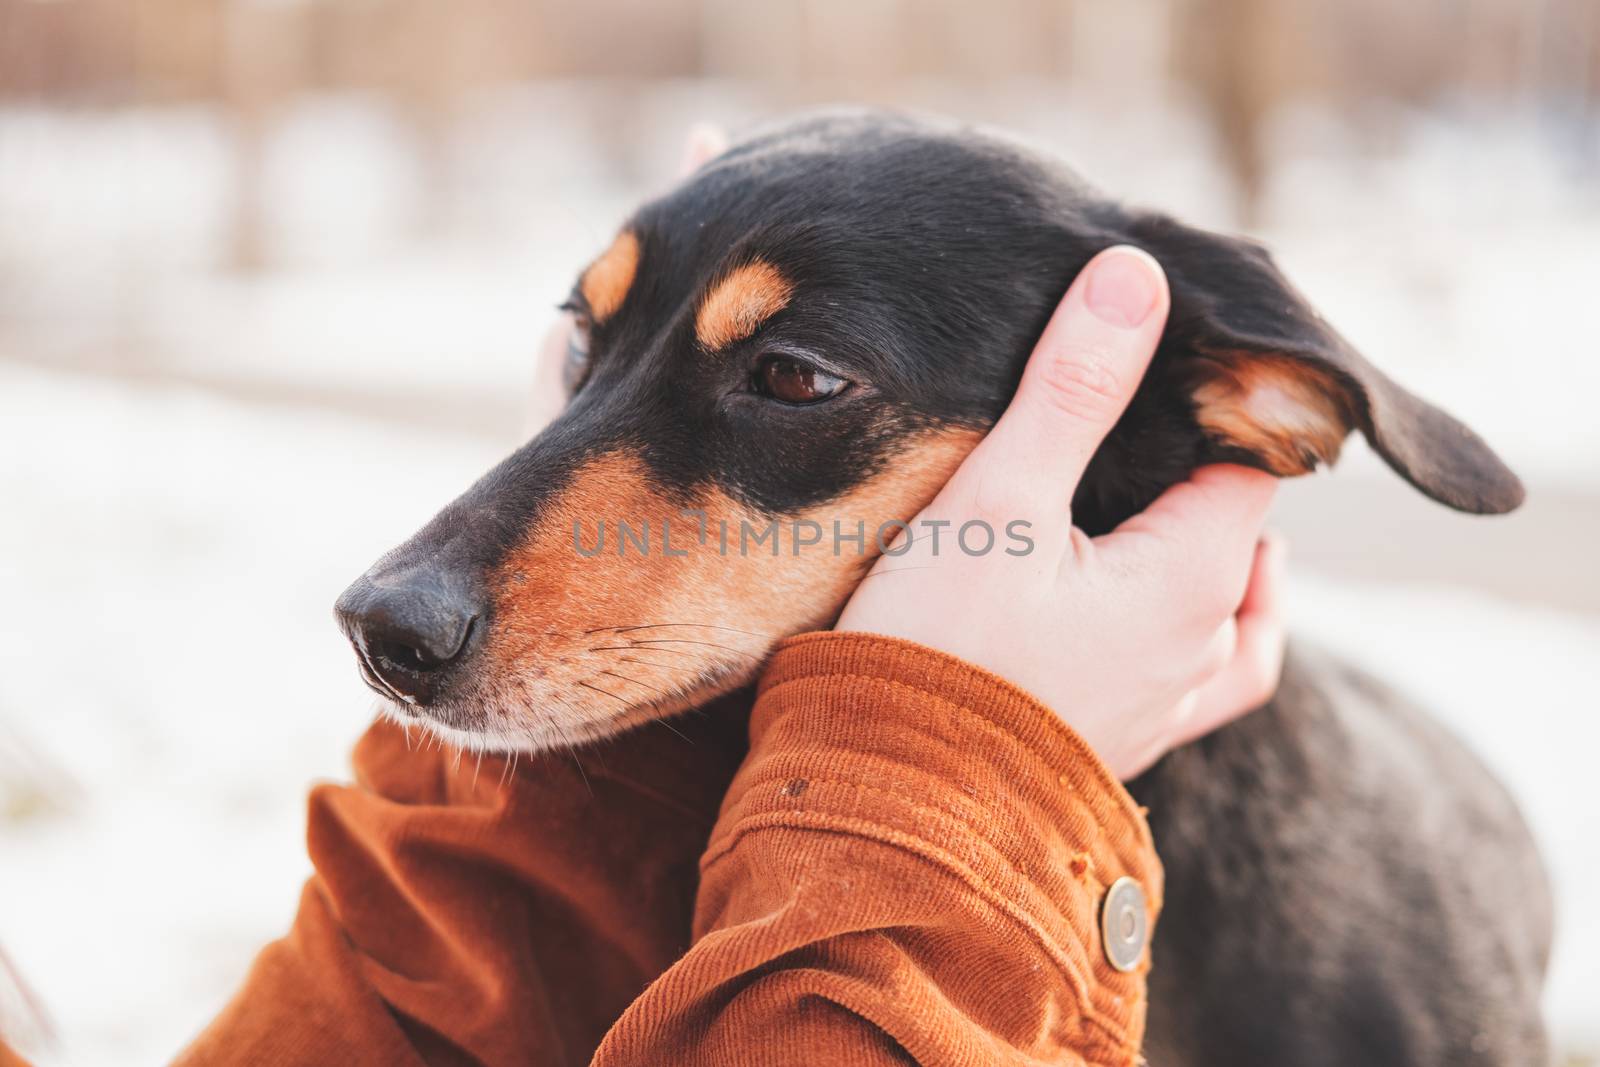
(1346, 884)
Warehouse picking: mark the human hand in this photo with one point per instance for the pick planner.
(1140, 640)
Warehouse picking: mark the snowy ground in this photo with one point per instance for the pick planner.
(193, 465)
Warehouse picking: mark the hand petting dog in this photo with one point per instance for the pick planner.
(1143, 639)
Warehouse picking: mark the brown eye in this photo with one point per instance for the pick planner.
(794, 381)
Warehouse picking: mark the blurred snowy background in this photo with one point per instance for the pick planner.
(272, 275)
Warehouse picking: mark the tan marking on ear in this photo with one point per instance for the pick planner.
(591, 644)
(606, 283)
(740, 303)
(1292, 415)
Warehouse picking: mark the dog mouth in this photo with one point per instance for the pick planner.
(526, 710)
(489, 731)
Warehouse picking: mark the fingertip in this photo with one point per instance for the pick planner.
(1272, 556)
(1231, 485)
(705, 141)
(1124, 286)
(1235, 476)
(1263, 596)
(1214, 492)
(1276, 548)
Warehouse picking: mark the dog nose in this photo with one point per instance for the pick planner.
(408, 630)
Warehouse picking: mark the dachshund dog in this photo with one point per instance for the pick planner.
(804, 339)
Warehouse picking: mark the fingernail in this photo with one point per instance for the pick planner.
(1123, 287)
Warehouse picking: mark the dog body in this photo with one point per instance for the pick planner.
(810, 333)
(1346, 884)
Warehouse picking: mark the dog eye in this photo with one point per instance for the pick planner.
(575, 367)
(795, 381)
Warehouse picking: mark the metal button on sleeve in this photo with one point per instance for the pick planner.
(1124, 924)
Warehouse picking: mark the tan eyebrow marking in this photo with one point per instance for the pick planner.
(739, 303)
(606, 283)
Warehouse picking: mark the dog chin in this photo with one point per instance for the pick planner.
(491, 726)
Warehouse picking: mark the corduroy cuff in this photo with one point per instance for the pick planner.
(871, 735)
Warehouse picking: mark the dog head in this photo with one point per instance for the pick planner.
(788, 353)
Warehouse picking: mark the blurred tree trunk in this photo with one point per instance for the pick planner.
(430, 68)
(1230, 52)
(261, 63)
(1581, 31)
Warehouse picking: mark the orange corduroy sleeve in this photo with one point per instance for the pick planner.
(458, 918)
(907, 868)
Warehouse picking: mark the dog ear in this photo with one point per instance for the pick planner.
(1274, 386)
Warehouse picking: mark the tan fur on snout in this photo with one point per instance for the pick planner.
(581, 647)
(1293, 415)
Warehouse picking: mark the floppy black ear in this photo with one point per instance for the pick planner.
(1275, 386)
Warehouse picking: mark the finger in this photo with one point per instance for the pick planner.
(1219, 651)
(1251, 675)
(549, 395)
(1201, 534)
(705, 142)
(1154, 750)
(1263, 597)
(1079, 379)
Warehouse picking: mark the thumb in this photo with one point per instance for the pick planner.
(1082, 373)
